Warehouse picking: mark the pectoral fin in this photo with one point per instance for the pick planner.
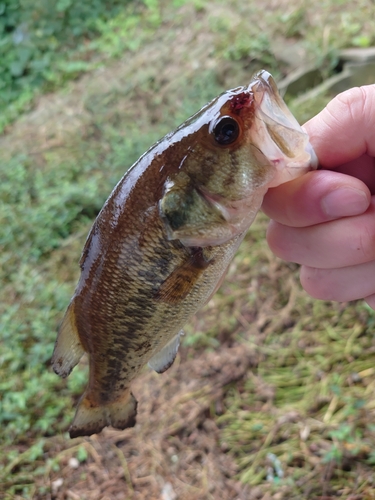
(189, 216)
(68, 348)
(162, 360)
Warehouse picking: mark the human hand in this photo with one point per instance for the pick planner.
(325, 220)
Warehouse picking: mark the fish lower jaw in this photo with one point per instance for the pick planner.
(288, 169)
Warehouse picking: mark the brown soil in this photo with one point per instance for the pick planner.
(174, 449)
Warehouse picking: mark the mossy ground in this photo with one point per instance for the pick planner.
(272, 394)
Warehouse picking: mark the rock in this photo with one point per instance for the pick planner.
(300, 80)
(357, 54)
(291, 52)
(168, 492)
(306, 82)
(56, 485)
(73, 463)
(353, 75)
(361, 73)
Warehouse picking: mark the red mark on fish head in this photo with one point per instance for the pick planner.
(241, 101)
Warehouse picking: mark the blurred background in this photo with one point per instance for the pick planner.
(272, 393)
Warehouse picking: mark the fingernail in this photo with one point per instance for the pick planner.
(344, 202)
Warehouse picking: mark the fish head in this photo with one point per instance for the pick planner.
(239, 145)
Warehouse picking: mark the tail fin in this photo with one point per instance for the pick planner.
(90, 419)
(68, 348)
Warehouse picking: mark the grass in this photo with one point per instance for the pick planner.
(307, 403)
(45, 46)
(299, 422)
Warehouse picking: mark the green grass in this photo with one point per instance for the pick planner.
(306, 409)
(47, 205)
(309, 399)
(44, 45)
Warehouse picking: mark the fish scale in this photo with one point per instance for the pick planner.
(161, 245)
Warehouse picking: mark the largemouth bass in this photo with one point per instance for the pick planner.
(164, 239)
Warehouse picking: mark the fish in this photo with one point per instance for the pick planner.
(162, 243)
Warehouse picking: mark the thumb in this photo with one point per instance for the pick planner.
(345, 129)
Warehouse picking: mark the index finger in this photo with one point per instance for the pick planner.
(316, 197)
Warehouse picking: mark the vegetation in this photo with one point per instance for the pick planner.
(298, 421)
(44, 44)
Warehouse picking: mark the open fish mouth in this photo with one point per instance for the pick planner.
(277, 134)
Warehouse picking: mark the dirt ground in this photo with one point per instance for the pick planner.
(173, 451)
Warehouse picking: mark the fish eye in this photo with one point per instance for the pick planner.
(226, 130)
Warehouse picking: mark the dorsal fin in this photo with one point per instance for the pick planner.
(68, 348)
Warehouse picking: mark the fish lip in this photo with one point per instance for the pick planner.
(277, 133)
(268, 101)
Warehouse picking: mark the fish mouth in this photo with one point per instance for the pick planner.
(277, 134)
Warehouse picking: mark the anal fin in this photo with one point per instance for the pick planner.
(163, 359)
(68, 348)
(91, 419)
